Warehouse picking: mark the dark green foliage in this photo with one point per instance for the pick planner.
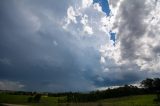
(34, 99)
(151, 85)
(30, 99)
(156, 83)
(148, 83)
(37, 98)
(109, 93)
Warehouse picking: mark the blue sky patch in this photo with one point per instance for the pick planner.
(104, 4)
(112, 37)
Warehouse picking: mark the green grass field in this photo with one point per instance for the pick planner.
(139, 100)
(22, 99)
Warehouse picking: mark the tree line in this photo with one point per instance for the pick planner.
(147, 86)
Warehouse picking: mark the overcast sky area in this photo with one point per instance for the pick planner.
(78, 45)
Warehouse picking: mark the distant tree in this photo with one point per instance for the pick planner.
(156, 84)
(147, 83)
(37, 98)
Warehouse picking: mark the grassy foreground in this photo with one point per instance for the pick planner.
(22, 99)
(139, 100)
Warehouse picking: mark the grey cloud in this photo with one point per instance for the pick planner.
(58, 8)
(36, 61)
(131, 26)
(120, 75)
(114, 2)
(10, 85)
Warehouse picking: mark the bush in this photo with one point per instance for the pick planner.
(30, 99)
(35, 99)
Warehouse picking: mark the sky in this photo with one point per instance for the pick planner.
(78, 45)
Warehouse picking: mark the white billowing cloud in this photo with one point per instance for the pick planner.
(84, 20)
(146, 48)
(102, 60)
(97, 7)
(153, 18)
(133, 50)
(71, 15)
(95, 22)
(88, 30)
(114, 15)
(10, 85)
(112, 52)
(86, 3)
(105, 22)
(145, 44)
(87, 20)
(86, 27)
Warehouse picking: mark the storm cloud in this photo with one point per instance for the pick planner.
(65, 46)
